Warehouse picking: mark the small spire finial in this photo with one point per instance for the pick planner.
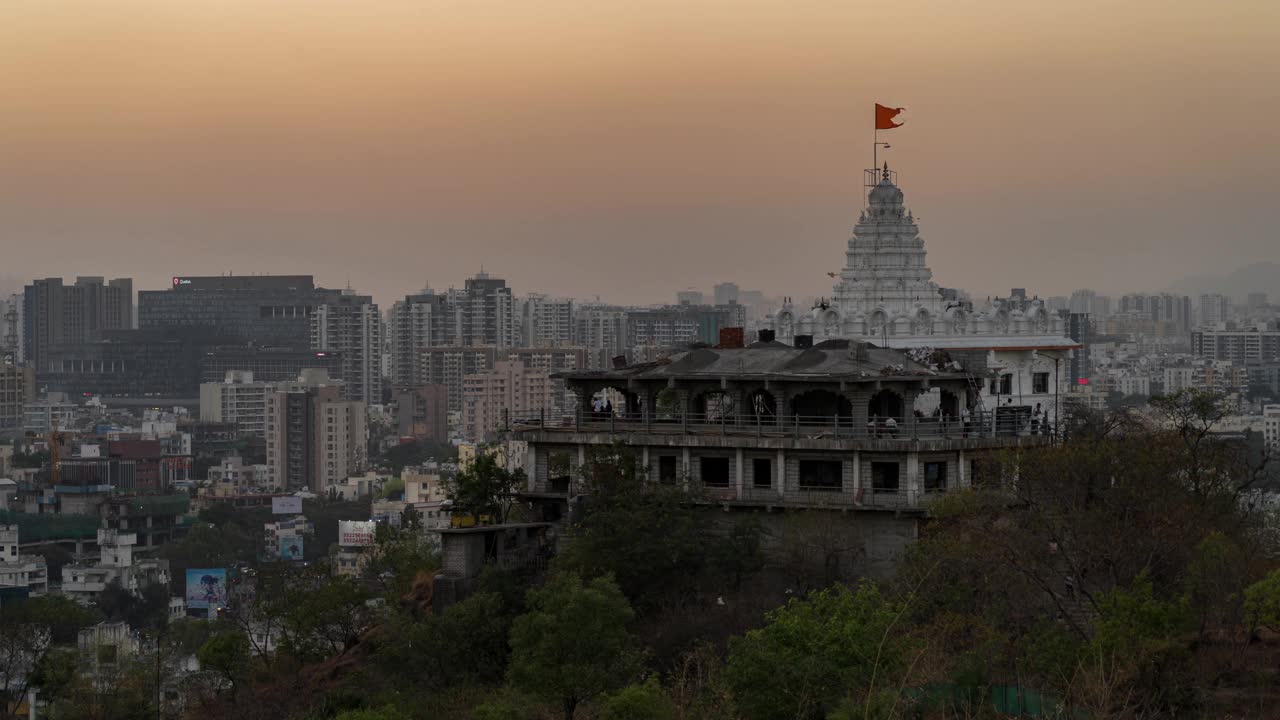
(885, 174)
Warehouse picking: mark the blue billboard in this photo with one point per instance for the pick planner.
(206, 587)
(290, 547)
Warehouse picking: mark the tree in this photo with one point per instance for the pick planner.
(227, 655)
(573, 644)
(1262, 602)
(814, 651)
(467, 643)
(30, 630)
(647, 537)
(485, 489)
(148, 609)
(309, 612)
(638, 702)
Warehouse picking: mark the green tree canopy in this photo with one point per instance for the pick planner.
(485, 489)
(815, 651)
(573, 644)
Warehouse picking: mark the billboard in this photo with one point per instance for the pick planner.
(356, 533)
(206, 587)
(291, 547)
(286, 505)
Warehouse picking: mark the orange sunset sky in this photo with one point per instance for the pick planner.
(631, 149)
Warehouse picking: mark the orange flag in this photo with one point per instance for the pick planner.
(885, 116)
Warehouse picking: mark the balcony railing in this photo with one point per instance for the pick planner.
(977, 425)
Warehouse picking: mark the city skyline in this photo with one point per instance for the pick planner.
(580, 153)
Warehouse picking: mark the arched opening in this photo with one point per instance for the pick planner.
(666, 406)
(885, 404)
(714, 406)
(614, 402)
(821, 407)
(762, 407)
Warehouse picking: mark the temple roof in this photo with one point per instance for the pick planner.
(828, 360)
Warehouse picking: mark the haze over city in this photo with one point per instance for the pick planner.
(628, 151)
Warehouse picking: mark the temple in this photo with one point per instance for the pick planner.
(886, 295)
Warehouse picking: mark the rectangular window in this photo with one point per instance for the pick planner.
(1040, 382)
(884, 476)
(762, 473)
(667, 469)
(935, 476)
(715, 471)
(1006, 384)
(820, 475)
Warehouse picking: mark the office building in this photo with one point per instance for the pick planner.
(56, 314)
(265, 310)
(158, 362)
(266, 364)
(1257, 300)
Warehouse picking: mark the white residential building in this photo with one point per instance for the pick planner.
(18, 570)
(83, 582)
(1271, 427)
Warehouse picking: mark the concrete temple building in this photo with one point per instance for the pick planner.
(840, 425)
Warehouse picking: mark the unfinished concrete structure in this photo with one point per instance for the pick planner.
(842, 425)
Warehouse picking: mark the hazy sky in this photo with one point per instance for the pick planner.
(631, 149)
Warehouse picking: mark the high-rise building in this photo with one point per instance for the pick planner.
(508, 390)
(1079, 328)
(422, 412)
(1168, 311)
(725, 293)
(240, 398)
(545, 321)
(420, 321)
(690, 297)
(602, 330)
(1243, 347)
(11, 346)
(17, 388)
(487, 312)
(314, 439)
(677, 325)
(1090, 302)
(265, 310)
(351, 325)
(56, 314)
(447, 366)
(1214, 308)
(1257, 300)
